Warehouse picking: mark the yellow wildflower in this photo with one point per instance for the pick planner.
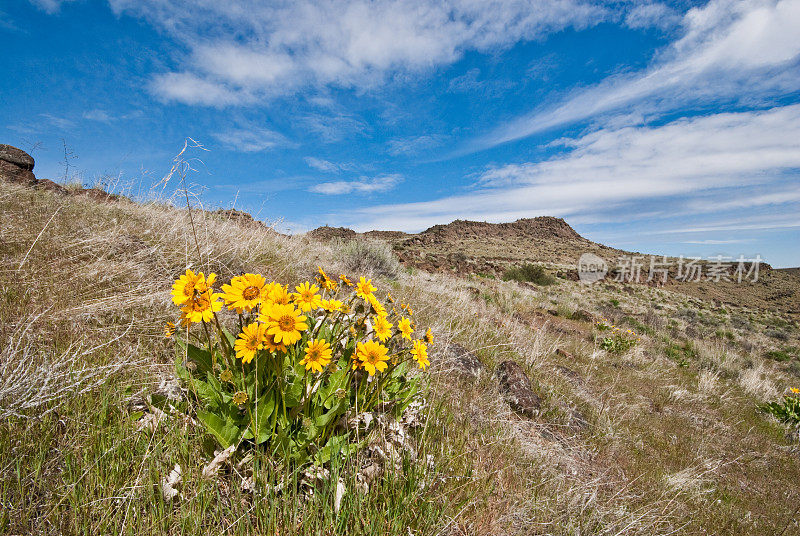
(169, 329)
(372, 356)
(272, 346)
(428, 336)
(794, 390)
(240, 398)
(404, 325)
(190, 284)
(201, 307)
(306, 297)
(250, 341)
(245, 292)
(324, 281)
(332, 305)
(318, 355)
(284, 323)
(382, 327)
(346, 280)
(377, 306)
(420, 353)
(365, 288)
(280, 295)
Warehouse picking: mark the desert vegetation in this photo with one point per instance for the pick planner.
(109, 426)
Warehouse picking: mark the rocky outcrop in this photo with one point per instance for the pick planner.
(326, 233)
(17, 166)
(16, 156)
(543, 227)
(516, 389)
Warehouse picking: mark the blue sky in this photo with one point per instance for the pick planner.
(657, 127)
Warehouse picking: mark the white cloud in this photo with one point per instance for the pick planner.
(50, 6)
(278, 48)
(61, 123)
(413, 145)
(98, 115)
(251, 139)
(614, 169)
(364, 185)
(653, 15)
(333, 127)
(743, 51)
(327, 166)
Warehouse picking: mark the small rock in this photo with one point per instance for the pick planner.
(583, 315)
(463, 360)
(564, 354)
(516, 388)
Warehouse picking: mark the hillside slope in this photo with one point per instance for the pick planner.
(660, 438)
(489, 249)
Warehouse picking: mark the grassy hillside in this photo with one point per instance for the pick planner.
(663, 437)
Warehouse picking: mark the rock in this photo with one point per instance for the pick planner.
(463, 360)
(13, 173)
(516, 388)
(47, 184)
(16, 156)
(583, 315)
(97, 194)
(564, 354)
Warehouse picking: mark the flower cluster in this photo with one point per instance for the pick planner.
(296, 348)
(279, 318)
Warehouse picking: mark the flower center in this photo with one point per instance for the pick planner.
(251, 293)
(286, 323)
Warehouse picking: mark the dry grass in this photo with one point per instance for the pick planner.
(660, 446)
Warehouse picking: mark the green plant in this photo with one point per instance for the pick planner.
(787, 410)
(299, 363)
(616, 341)
(529, 273)
(682, 354)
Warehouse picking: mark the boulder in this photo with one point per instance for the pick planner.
(16, 156)
(13, 173)
(516, 389)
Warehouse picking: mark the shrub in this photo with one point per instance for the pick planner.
(296, 362)
(787, 410)
(682, 354)
(529, 273)
(615, 340)
(369, 257)
(786, 354)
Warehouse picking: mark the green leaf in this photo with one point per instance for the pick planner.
(224, 430)
(202, 358)
(262, 412)
(323, 420)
